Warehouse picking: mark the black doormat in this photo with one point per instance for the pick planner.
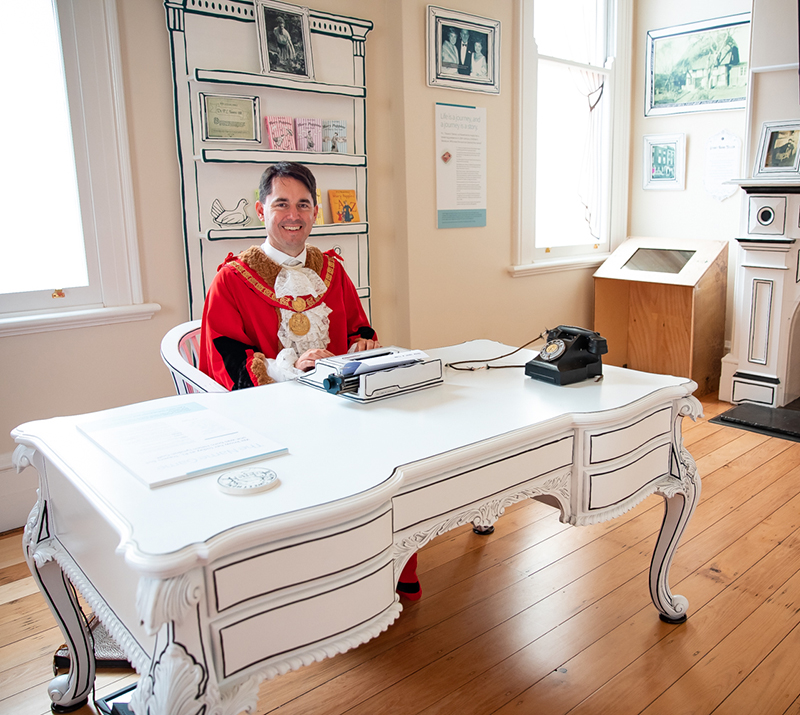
(771, 421)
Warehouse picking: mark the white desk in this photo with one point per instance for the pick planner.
(208, 594)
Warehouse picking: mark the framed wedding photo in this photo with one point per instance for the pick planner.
(463, 51)
(777, 156)
(284, 39)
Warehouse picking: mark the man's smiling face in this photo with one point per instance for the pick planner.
(288, 213)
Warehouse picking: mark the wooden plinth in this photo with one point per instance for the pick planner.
(663, 328)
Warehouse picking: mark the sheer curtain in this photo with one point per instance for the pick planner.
(590, 189)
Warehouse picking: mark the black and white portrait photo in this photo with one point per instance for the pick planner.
(283, 32)
(463, 51)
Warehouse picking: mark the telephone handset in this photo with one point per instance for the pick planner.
(570, 355)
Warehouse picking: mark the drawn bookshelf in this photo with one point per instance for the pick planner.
(215, 53)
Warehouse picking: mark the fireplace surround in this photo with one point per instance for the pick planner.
(763, 366)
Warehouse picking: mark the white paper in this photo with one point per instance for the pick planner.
(383, 362)
(167, 444)
(723, 164)
(460, 166)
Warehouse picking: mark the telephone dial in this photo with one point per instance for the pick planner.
(570, 355)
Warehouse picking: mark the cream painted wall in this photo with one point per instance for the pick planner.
(692, 213)
(85, 369)
(774, 92)
(451, 285)
(430, 287)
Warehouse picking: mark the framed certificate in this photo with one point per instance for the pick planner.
(226, 117)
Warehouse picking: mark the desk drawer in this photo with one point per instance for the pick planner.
(258, 574)
(303, 624)
(606, 445)
(459, 490)
(616, 485)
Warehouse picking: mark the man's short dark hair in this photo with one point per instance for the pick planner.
(286, 170)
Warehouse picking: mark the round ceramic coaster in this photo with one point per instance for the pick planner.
(247, 481)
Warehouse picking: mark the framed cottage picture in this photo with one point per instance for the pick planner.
(463, 51)
(284, 39)
(777, 156)
(698, 67)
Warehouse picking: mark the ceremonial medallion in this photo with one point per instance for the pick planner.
(299, 305)
(247, 481)
(299, 324)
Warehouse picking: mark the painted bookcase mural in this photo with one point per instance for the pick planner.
(256, 83)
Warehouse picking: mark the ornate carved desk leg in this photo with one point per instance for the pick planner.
(681, 492)
(181, 680)
(70, 691)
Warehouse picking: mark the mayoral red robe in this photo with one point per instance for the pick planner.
(241, 315)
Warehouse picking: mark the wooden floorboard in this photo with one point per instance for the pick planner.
(540, 617)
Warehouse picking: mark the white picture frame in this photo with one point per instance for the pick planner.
(664, 162)
(778, 156)
(698, 67)
(476, 68)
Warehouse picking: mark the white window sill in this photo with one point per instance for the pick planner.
(79, 318)
(556, 265)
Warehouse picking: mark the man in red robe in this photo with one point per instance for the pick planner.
(274, 310)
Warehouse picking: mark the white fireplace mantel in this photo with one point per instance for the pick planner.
(761, 367)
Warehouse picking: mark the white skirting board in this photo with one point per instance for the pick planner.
(17, 494)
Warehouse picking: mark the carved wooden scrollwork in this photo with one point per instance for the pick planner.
(160, 601)
(483, 515)
(242, 698)
(173, 685)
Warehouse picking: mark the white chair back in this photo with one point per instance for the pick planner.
(180, 351)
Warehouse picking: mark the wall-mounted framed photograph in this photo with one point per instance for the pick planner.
(463, 51)
(664, 162)
(284, 39)
(227, 117)
(698, 67)
(777, 156)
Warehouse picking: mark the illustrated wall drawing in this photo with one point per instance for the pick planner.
(229, 79)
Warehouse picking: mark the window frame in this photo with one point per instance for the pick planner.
(93, 68)
(523, 258)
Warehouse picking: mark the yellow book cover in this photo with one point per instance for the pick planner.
(343, 205)
(320, 220)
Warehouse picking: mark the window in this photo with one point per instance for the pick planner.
(72, 198)
(573, 117)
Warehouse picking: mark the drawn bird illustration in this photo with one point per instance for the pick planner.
(229, 217)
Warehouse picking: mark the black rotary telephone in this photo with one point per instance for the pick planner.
(570, 355)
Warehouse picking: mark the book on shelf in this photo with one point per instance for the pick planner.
(334, 135)
(160, 445)
(320, 220)
(280, 133)
(308, 134)
(344, 208)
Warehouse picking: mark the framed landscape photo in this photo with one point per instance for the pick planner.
(463, 51)
(284, 39)
(698, 67)
(664, 162)
(226, 117)
(777, 155)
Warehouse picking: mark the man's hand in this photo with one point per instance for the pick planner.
(306, 361)
(364, 344)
